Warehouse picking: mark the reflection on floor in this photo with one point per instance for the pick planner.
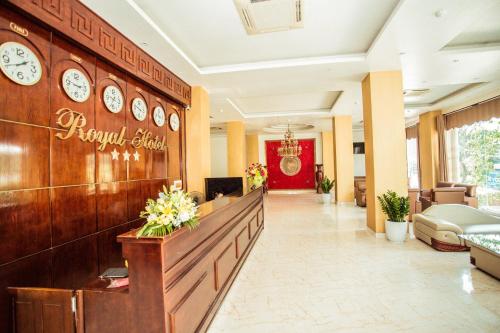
(316, 268)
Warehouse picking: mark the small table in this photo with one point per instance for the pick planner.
(484, 252)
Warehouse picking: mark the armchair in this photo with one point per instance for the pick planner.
(470, 194)
(360, 192)
(444, 195)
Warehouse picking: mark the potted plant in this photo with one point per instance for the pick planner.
(396, 208)
(326, 187)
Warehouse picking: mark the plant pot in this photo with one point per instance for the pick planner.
(326, 198)
(396, 231)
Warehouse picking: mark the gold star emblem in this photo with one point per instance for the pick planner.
(126, 156)
(136, 156)
(114, 154)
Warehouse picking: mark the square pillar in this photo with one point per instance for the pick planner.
(252, 148)
(328, 164)
(236, 150)
(428, 144)
(385, 141)
(198, 140)
(343, 158)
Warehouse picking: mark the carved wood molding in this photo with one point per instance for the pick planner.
(79, 23)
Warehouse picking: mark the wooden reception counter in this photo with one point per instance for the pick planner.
(176, 283)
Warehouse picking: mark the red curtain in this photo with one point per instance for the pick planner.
(303, 180)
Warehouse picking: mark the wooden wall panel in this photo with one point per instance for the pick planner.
(24, 213)
(174, 149)
(71, 197)
(111, 201)
(75, 20)
(23, 161)
(26, 104)
(73, 212)
(66, 56)
(72, 162)
(75, 263)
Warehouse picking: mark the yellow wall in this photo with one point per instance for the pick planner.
(327, 141)
(236, 150)
(252, 148)
(198, 140)
(385, 141)
(428, 141)
(343, 158)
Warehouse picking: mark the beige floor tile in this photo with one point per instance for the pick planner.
(315, 268)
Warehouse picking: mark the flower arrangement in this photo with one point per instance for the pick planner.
(172, 210)
(256, 174)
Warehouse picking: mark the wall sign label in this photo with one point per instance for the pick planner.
(17, 29)
(74, 122)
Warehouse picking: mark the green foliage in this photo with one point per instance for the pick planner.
(327, 184)
(479, 150)
(394, 206)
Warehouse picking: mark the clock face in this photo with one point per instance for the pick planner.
(174, 122)
(113, 98)
(76, 85)
(159, 116)
(20, 64)
(139, 108)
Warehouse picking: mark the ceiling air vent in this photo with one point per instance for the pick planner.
(415, 92)
(262, 16)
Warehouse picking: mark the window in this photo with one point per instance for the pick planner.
(473, 154)
(412, 158)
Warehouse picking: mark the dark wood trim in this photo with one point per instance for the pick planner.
(76, 21)
(447, 247)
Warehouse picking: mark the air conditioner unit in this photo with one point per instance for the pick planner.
(262, 16)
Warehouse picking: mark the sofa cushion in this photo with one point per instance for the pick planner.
(481, 229)
(437, 223)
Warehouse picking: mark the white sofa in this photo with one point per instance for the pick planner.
(440, 225)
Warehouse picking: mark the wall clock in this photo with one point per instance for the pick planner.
(20, 64)
(159, 116)
(76, 85)
(174, 121)
(113, 98)
(139, 108)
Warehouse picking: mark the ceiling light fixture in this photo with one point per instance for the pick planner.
(289, 145)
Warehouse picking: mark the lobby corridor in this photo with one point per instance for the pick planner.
(316, 268)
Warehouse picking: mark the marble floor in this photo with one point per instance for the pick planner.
(316, 268)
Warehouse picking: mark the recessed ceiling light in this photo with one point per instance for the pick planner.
(402, 53)
(221, 110)
(144, 44)
(440, 13)
(456, 60)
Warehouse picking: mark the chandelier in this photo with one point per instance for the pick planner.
(289, 146)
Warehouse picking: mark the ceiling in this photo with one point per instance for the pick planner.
(449, 47)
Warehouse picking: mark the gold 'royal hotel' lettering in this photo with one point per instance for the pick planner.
(74, 122)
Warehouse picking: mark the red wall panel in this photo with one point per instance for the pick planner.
(303, 180)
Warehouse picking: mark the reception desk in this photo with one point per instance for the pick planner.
(176, 283)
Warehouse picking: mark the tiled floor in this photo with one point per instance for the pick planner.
(315, 268)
